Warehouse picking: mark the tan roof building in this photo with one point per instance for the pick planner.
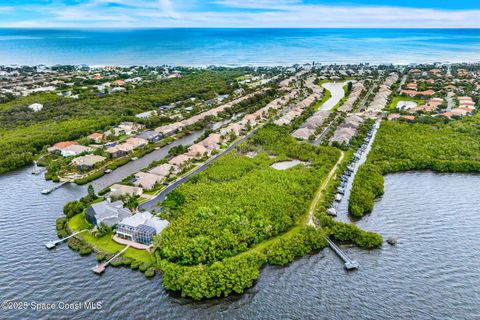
(119, 190)
(180, 160)
(146, 180)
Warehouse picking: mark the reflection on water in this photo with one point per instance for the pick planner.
(432, 273)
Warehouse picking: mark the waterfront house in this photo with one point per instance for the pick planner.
(163, 170)
(61, 145)
(212, 141)
(149, 135)
(141, 227)
(74, 150)
(180, 160)
(109, 213)
(196, 150)
(119, 150)
(146, 180)
(137, 142)
(87, 162)
(120, 190)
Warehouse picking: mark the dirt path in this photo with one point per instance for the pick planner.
(318, 195)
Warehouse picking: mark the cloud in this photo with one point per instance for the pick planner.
(230, 13)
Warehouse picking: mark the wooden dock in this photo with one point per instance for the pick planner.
(52, 244)
(58, 186)
(349, 263)
(99, 268)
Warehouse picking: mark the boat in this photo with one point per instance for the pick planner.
(351, 168)
(332, 212)
(45, 191)
(134, 158)
(338, 197)
(108, 171)
(341, 190)
(392, 241)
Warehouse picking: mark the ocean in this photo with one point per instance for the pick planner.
(234, 47)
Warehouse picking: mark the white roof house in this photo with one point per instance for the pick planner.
(35, 107)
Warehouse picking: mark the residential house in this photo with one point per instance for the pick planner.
(136, 142)
(146, 180)
(109, 213)
(141, 227)
(303, 133)
(163, 170)
(74, 150)
(97, 137)
(120, 190)
(87, 162)
(180, 160)
(119, 150)
(150, 135)
(197, 150)
(61, 145)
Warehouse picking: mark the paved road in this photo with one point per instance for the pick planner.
(337, 92)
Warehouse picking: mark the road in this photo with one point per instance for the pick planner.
(152, 204)
(337, 94)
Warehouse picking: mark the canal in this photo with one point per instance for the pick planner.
(432, 273)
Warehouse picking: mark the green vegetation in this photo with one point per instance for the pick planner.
(393, 105)
(24, 134)
(214, 247)
(326, 96)
(350, 233)
(401, 146)
(262, 202)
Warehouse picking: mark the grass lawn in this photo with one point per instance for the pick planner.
(397, 99)
(105, 243)
(318, 104)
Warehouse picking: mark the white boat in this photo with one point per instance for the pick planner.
(332, 212)
(134, 158)
(338, 197)
(108, 171)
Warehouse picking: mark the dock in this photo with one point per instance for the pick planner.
(58, 186)
(99, 268)
(52, 244)
(349, 263)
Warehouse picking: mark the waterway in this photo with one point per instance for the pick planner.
(432, 273)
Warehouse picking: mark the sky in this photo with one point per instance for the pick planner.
(240, 13)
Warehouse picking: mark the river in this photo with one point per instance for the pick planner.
(432, 273)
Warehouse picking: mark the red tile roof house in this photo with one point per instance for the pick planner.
(97, 137)
(61, 145)
(418, 93)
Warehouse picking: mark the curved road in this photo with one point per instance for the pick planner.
(337, 94)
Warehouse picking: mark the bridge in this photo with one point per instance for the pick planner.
(99, 268)
(52, 244)
(349, 263)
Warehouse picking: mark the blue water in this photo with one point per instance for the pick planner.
(196, 47)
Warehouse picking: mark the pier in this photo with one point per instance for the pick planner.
(52, 244)
(58, 186)
(349, 263)
(99, 268)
